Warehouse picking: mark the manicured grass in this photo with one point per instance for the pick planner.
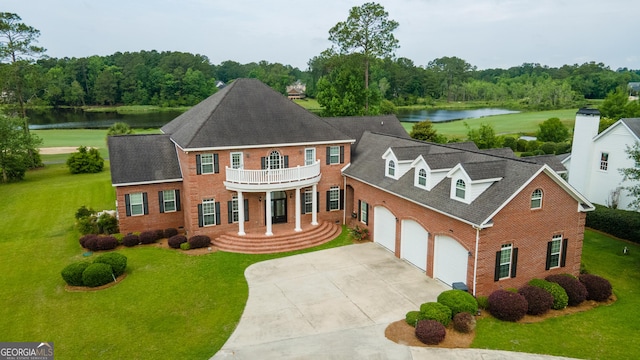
(607, 332)
(309, 104)
(170, 306)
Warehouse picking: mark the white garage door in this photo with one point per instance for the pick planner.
(384, 229)
(450, 260)
(413, 243)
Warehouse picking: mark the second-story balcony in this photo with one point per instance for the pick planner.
(272, 179)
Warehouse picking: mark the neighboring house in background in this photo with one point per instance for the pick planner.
(596, 159)
(296, 90)
(246, 158)
(634, 90)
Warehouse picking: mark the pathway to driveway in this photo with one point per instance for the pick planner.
(336, 304)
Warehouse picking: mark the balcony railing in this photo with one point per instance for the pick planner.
(273, 176)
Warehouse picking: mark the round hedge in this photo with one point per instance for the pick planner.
(107, 243)
(436, 311)
(72, 273)
(169, 232)
(199, 241)
(458, 301)
(412, 317)
(539, 300)
(464, 322)
(598, 288)
(175, 241)
(159, 234)
(91, 243)
(506, 305)
(84, 238)
(118, 262)
(560, 298)
(130, 240)
(430, 332)
(185, 246)
(148, 237)
(97, 274)
(576, 291)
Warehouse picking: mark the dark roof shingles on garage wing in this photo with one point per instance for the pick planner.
(138, 159)
(355, 126)
(248, 113)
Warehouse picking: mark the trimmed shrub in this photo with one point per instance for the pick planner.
(412, 318)
(560, 298)
(130, 240)
(91, 243)
(118, 237)
(148, 237)
(539, 300)
(85, 161)
(458, 301)
(83, 211)
(88, 225)
(619, 223)
(576, 291)
(436, 311)
(118, 262)
(159, 234)
(176, 240)
(430, 332)
(199, 241)
(169, 232)
(185, 246)
(72, 273)
(107, 224)
(507, 305)
(464, 322)
(483, 302)
(107, 243)
(97, 274)
(598, 288)
(84, 238)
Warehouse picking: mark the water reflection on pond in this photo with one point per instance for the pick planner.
(450, 115)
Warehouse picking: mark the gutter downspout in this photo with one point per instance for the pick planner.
(475, 260)
(344, 201)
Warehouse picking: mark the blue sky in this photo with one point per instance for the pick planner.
(485, 33)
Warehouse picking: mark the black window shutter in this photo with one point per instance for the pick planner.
(328, 155)
(302, 203)
(514, 262)
(216, 164)
(317, 202)
(328, 199)
(563, 257)
(198, 165)
(218, 216)
(548, 265)
(200, 217)
(342, 154)
(230, 211)
(246, 210)
(177, 200)
(367, 222)
(161, 201)
(359, 209)
(496, 275)
(127, 204)
(286, 161)
(341, 199)
(263, 163)
(145, 203)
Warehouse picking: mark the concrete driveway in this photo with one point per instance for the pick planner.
(336, 304)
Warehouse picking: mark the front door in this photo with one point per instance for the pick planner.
(278, 207)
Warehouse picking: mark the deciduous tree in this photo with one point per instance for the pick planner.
(16, 147)
(425, 131)
(484, 137)
(552, 130)
(633, 174)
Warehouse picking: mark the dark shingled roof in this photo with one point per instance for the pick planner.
(248, 113)
(587, 111)
(633, 124)
(143, 159)
(355, 126)
(368, 165)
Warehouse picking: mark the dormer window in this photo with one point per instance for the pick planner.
(536, 199)
(422, 177)
(460, 188)
(391, 168)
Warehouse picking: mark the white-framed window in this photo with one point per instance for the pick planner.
(461, 189)
(422, 177)
(334, 198)
(505, 261)
(235, 217)
(236, 160)
(274, 160)
(604, 161)
(536, 199)
(206, 163)
(391, 168)
(554, 254)
(364, 212)
(334, 154)
(308, 201)
(169, 200)
(310, 156)
(208, 212)
(136, 204)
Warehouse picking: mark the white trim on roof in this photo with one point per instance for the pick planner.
(610, 128)
(262, 146)
(148, 182)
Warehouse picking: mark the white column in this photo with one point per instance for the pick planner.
(298, 228)
(314, 205)
(267, 205)
(240, 214)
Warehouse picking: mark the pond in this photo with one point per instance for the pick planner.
(78, 119)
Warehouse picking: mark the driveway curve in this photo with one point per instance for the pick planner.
(336, 304)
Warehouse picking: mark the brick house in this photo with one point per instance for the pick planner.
(255, 171)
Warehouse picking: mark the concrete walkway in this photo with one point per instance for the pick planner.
(336, 304)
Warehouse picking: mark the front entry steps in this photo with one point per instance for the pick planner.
(284, 239)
